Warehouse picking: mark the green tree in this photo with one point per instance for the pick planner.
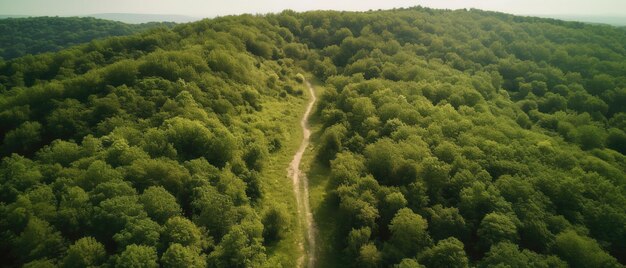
(17, 174)
(39, 240)
(136, 256)
(494, 228)
(446, 253)
(179, 256)
(159, 204)
(112, 215)
(581, 251)
(98, 172)
(140, 232)
(23, 140)
(357, 238)
(275, 223)
(445, 222)
(144, 173)
(238, 249)
(215, 211)
(331, 143)
(85, 252)
(408, 263)
(408, 235)
(507, 254)
(369, 256)
(74, 211)
(590, 137)
(179, 230)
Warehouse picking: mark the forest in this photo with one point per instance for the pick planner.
(443, 138)
(34, 35)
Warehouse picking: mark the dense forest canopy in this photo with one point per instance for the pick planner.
(22, 36)
(450, 138)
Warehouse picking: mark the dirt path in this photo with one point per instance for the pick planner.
(301, 188)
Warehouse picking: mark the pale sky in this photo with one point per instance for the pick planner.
(208, 8)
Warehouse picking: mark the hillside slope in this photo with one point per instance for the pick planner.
(162, 147)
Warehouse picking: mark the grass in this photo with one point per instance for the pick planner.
(276, 185)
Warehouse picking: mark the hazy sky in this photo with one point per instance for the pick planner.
(204, 8)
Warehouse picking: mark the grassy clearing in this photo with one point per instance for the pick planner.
(277, 186)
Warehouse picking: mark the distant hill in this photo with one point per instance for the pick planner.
(33, 35)
(615, 20)
(13, 16)
(143, 18)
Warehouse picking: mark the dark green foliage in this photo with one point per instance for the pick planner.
(275, 223)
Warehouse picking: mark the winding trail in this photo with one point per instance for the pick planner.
(301, 188)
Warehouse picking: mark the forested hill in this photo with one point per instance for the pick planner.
(446, 139)
(21, 36)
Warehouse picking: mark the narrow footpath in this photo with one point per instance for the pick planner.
(301, 188)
